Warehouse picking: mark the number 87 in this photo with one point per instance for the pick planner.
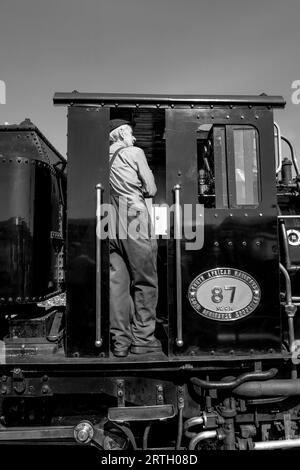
(217, 294)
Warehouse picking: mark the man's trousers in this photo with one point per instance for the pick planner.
(133, 276)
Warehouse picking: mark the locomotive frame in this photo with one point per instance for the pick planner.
(231, 379)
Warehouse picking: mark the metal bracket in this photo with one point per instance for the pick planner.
(18, 381)
(121, 392)
(180, 397)
(159, 394)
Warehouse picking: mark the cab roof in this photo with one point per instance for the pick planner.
(116, 99)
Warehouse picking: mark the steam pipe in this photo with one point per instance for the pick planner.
(269, 374)
(271, 388)
(285, 244)
(287, 284)
(271, 445)
(290, 308)
(202, 436)
(197, 420)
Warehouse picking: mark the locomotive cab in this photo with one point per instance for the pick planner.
(214, 215)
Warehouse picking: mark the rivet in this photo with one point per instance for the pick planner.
(102, 104)
(246, 215)
(4, 378)
(231, 352)
(242, 117)
(45, 389)
(120, 393)
(227, 117)
(198, 116)
(158, 105)
(229, 243)
(271, 350)
(172, 105)
(244, 243)
(260, 215)
(211, 106)
(216, 215)
(212, 117)
(159, 388)
(116, 105)
(258, 243)
(250, 106)
(216, 243)
(192, 106)
(256, 117)
(251, 351)
(230, 215)
(179, 173)
(137, 105)
(212, 352)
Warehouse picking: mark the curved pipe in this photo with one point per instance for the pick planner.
(269, 374)
(290, 308)
(271, 388)
(146, 435)
(202, 436)
(288, 285)
(285, 244)
(294, 160)
(197, 420)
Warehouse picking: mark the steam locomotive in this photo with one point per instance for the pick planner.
(228, 270)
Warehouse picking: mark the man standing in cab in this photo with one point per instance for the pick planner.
(133, 253)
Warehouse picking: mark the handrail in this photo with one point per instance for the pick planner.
(99, 191)
(295, 163)
(177, 236)
(279, 149)
(290, 307)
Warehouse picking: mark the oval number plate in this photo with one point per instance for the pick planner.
(224, 294)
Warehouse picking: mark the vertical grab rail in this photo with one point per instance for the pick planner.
(294, 159)
(177, 236)
(99, 191)
(279, 149)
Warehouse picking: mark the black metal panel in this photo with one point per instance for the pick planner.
(30, 213)
(63, 98)
(88, 150)
(244, 238)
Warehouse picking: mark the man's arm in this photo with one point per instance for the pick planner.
(145, 174)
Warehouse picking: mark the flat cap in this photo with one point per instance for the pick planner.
(114, 123)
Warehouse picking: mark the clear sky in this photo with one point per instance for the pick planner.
(145, 46)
